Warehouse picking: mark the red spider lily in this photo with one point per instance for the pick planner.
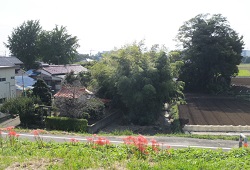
(90, 140)
(73, 140)
(37, 132)
(139, 142)
(12, 133)
(245, 145)
(155, 145)
(129, 140)
(10, 128)
(102, 141)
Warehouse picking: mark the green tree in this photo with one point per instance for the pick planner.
(42, 91)
(137, 81)
(23, 42)
(211, 53)
(57, 46)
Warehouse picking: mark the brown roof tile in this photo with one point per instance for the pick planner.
(64, 69)
(70, 92)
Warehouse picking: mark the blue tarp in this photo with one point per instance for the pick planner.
(32, 72)
(28, 81)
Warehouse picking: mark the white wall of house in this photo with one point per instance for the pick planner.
(7, 83)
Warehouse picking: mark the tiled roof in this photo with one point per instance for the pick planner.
(70, 92)
(64, 69)
(9, 61)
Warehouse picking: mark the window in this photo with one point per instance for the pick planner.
(2, 79)
(12, 77)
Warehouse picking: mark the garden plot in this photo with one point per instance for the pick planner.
(218, 111)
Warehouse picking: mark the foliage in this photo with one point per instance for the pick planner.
(67, 124)
(57, 46)
(53, 155)
(42, 91)
(81, 106)
(30, 43)
(71, 79)
(174, 114)
(95, 108)
(23, 42)
(24, 107)
(212, 51)
(139, 82)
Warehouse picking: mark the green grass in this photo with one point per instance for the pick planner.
(244, 67)
(30, 155)
(243, 73)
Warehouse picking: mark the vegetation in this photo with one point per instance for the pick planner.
(30, 43)
(211, 53)
(23, 42)
(24, 107)
(136, 153)
(244, 70)
(57, 46)
(66, 124)
(138, 82)
(42, 91)
(243, 73)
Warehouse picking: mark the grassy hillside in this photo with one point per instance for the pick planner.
(244, 70)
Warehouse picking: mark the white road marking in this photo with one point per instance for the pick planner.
(113, 141)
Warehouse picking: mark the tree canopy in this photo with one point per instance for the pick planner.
(211, 53)
(57, 46)
(30, 43)
(23, 42)
(42, 91)
(138, 81)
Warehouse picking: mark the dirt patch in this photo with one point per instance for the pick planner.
(41, 164)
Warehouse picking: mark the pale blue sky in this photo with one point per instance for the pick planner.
(105, 24)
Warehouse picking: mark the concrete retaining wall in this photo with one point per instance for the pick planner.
(215, 128)
(103, 123)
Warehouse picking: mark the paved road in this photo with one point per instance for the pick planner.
(174, 142)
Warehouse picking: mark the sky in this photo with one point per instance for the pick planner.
(102, 25)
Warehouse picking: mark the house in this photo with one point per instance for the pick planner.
(53, 75)
(8, 67)
(73, 92)
(70, 99)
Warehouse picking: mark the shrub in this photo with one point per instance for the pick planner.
(95, 108)
(67, 124)
(22, 106)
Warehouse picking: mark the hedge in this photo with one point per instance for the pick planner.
(66, 124)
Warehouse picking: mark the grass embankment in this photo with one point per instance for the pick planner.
(244, 70)
(75, 155)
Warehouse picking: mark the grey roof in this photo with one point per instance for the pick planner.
(9, 61)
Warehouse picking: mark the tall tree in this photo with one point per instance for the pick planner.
(139, 82)
(57, 46)
(42, 91)
(211, 53)
(23, 42)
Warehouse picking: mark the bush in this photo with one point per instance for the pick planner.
(95, 108)
(22, 106)
(67, 124)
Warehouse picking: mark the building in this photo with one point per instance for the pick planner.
(53, 75)
(8, 67)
